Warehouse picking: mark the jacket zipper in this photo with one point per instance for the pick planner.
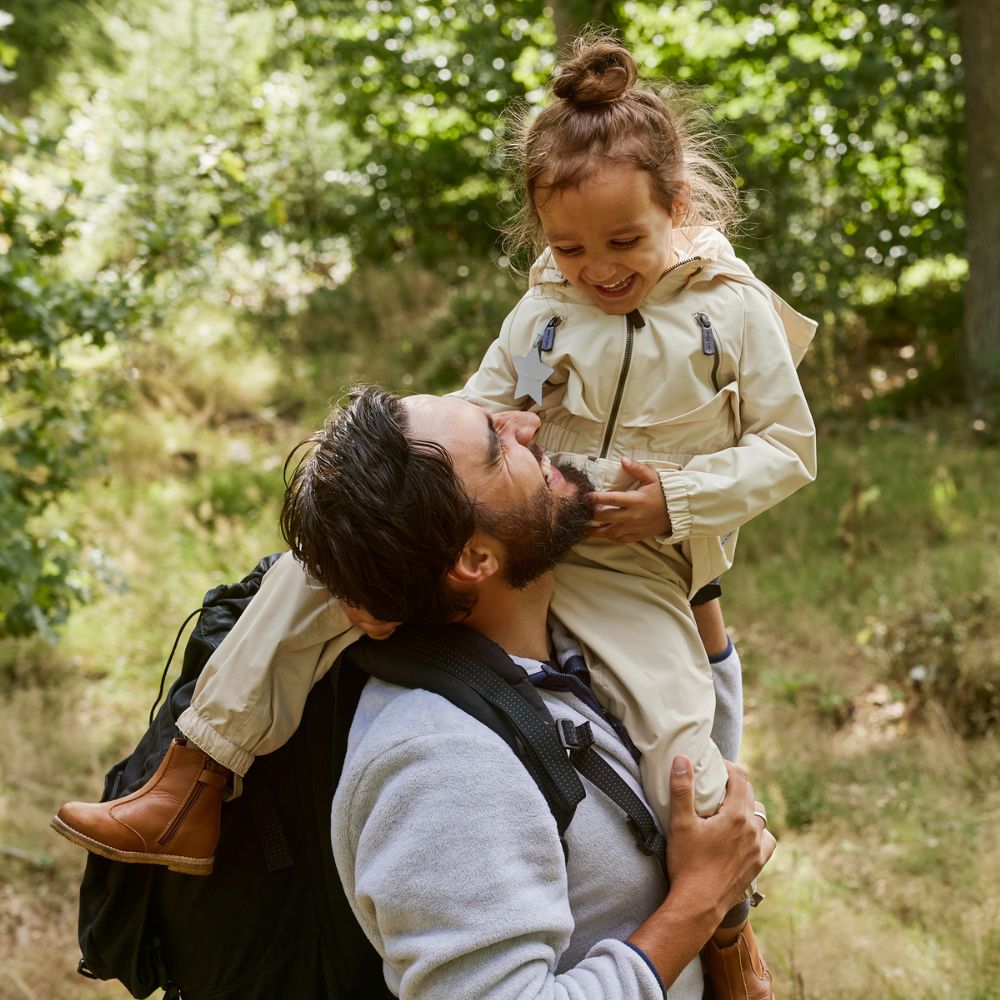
(681, 263)
(630, 329)
(620, 391)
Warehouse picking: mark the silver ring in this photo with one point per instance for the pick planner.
(757, 812)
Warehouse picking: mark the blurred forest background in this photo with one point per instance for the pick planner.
(215, 215)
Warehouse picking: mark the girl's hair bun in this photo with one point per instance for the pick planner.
(598, 72)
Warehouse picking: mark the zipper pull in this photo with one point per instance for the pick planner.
(707, 333)
(548, 337)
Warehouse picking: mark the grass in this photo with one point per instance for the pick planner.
(888, 870)
(885, 815)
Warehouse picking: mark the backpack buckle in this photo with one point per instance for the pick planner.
(574, 738)
(650, 841)
(83, 970)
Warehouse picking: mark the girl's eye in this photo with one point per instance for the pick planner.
(566, 251)
(625, 244)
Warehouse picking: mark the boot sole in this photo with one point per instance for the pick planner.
(173, 862)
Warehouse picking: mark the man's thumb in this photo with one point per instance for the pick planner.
(681, 785)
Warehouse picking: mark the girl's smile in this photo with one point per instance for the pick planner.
(610, 238)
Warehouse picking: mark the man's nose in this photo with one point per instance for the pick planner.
(519, 424)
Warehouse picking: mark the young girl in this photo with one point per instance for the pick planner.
(660, 366)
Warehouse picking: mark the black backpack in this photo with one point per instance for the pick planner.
(272, 921)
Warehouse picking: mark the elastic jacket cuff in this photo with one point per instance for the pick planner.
(675, 492)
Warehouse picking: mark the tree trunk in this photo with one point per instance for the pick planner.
(979, 31)
(570, 16)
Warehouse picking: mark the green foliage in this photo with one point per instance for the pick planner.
(422, 88)
(45, 418)
(37, 37)
(398, 325)
(804, 797)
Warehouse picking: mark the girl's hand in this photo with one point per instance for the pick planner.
(374, 627)
(632, 515)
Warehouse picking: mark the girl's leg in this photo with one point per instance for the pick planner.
(711, 626)
(249, 700)
(649, 668)
(250, 696)
(727, 677)
(732, 959)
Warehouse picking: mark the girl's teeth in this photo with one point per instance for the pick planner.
(615, 288)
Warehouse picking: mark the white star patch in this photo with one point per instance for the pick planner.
(531, 373)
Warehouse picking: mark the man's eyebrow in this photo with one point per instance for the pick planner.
(494, 451)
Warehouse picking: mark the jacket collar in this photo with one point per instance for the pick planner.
(705, 254)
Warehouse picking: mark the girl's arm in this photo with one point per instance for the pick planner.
(776, 452)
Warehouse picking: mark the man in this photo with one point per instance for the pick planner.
(427, 509)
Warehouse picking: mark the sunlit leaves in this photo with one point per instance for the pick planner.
(45, 419)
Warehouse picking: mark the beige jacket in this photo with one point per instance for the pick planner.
(718, 411)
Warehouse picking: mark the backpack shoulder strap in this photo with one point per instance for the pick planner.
(476, 675)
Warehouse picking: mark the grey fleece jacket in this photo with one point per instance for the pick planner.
(452, 862)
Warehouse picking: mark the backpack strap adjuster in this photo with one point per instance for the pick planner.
(574, 738)
(649, 841)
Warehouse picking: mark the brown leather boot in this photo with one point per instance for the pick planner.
(737, 972)
(172, 820)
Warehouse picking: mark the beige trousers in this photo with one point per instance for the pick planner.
(626, 605)
(249, 698)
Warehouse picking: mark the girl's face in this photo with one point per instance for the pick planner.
(610, 238)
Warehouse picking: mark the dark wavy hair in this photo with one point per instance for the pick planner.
(376, 517)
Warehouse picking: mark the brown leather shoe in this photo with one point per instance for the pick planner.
(172, 820)
(737, 972)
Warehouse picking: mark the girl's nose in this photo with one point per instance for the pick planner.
(599, 272)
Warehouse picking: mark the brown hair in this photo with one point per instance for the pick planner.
(376, 517)
(599, 115)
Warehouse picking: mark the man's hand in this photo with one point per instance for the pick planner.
(632, 515)
(374, 627)
(710, 861)
(716, 858)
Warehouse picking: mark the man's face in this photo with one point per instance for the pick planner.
(537, 511)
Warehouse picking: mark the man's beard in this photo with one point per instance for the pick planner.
(536, 534)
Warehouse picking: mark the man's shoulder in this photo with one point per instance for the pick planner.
(426, 760)
(389, 713)
(396, 727)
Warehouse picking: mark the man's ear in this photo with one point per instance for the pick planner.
(478, 561)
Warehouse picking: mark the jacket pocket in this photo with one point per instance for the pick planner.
(711, 426)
